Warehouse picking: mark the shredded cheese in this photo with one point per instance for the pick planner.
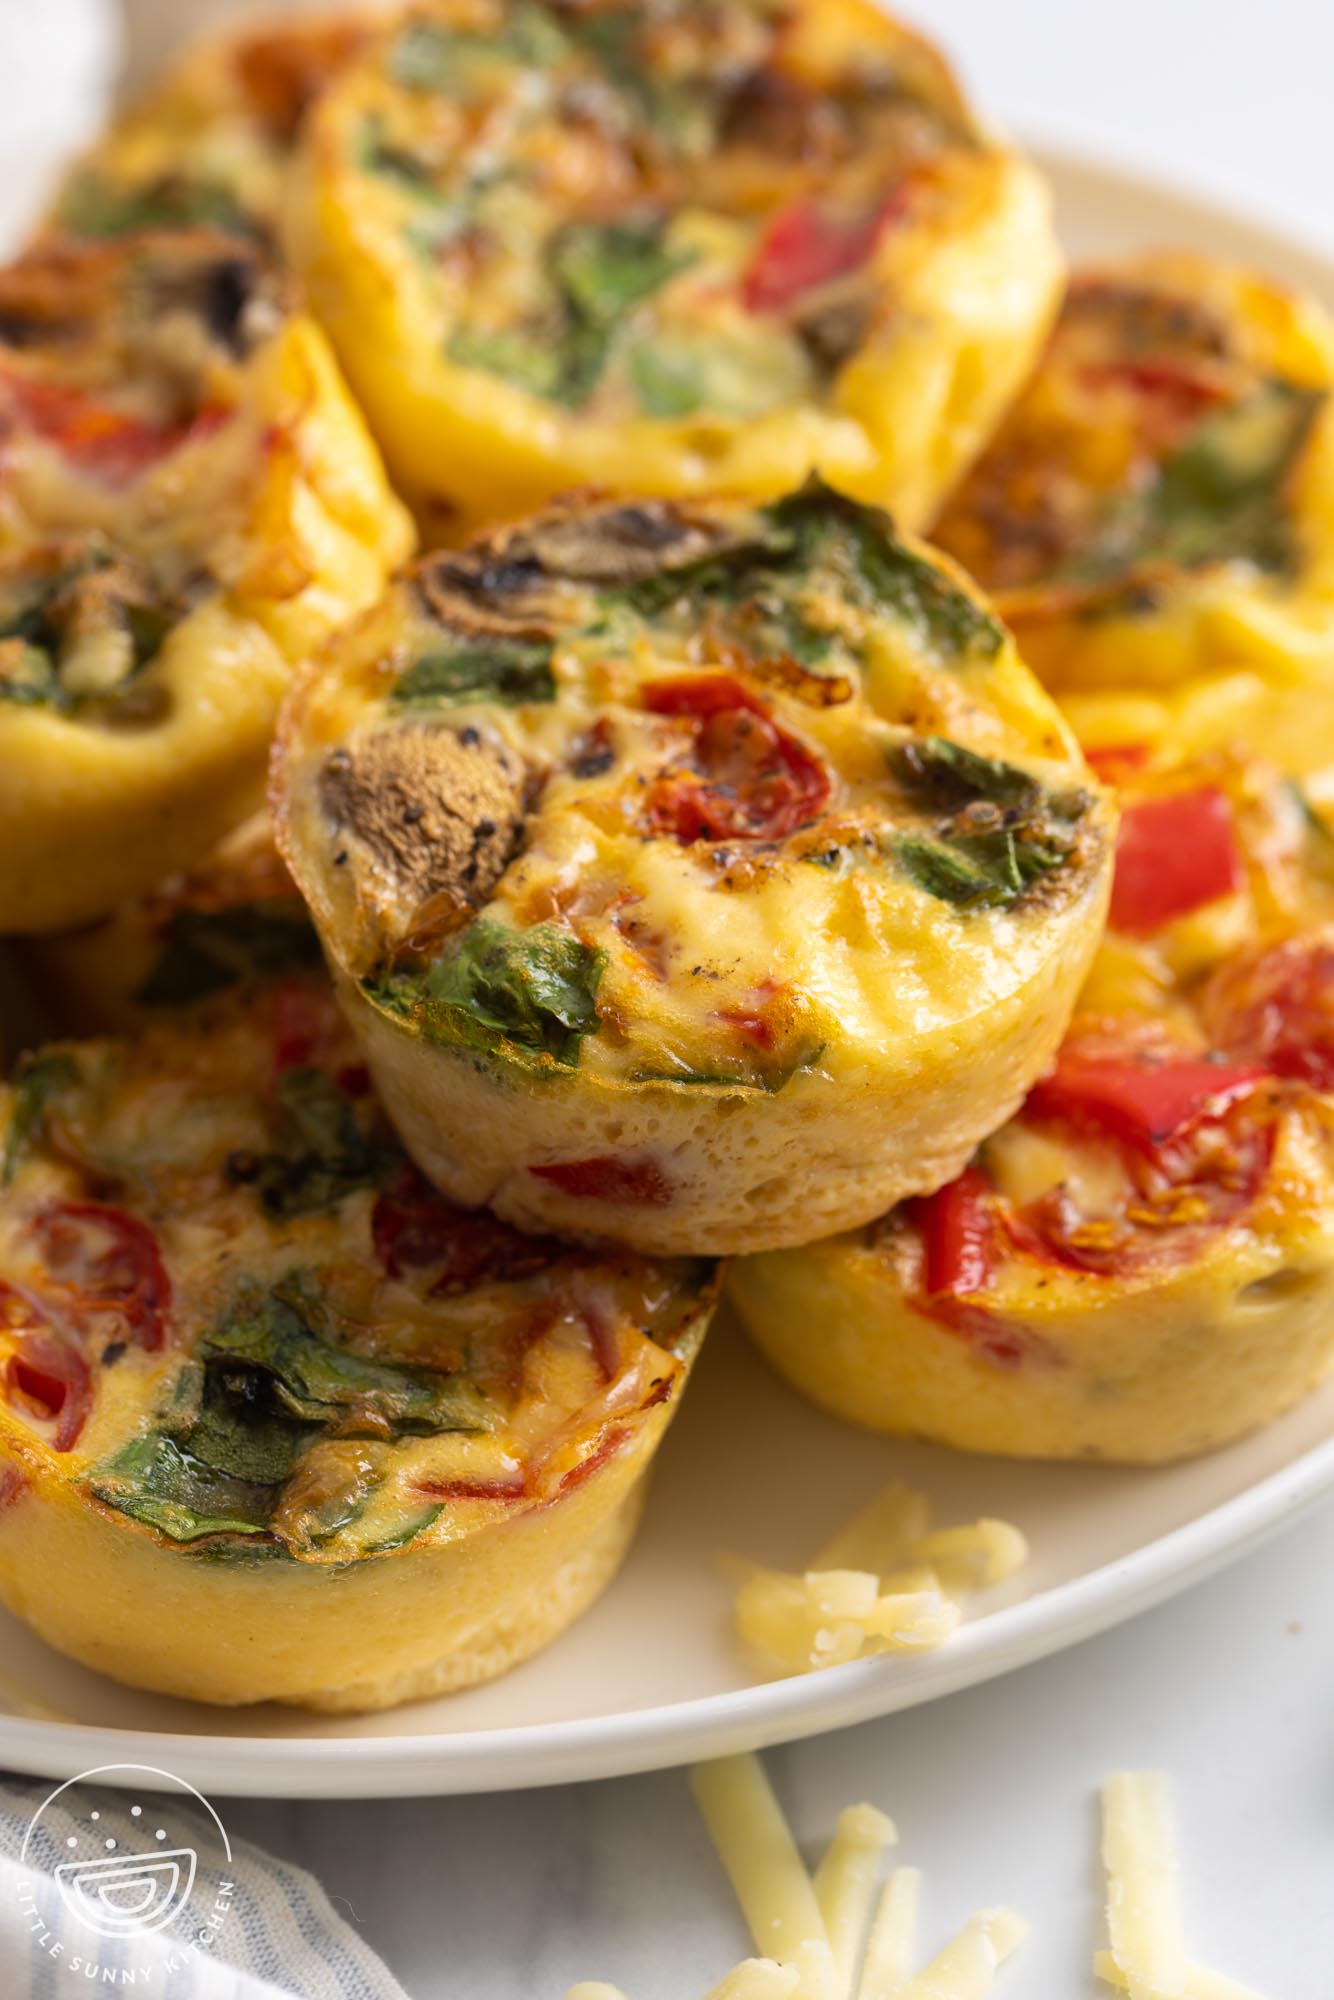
(966, 1969)
(1148, 1958)
(880, 1536)
(1201, 1983)
(1143, 1903)
(756, 1979)
(823, 1930)
(845, 1884)
(755, 1845)
(889, 1949)
(885, 1583)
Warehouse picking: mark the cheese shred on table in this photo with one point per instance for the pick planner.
(1148, 1957)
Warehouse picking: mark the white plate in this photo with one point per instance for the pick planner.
(651, 1676)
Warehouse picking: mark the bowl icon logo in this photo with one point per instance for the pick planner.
(126, 1846)
(128, 1895)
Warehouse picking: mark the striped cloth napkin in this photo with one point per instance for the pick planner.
(250, 1928)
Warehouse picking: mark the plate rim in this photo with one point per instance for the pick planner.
(586, 1748)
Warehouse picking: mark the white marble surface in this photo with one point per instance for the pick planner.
(514, 1897)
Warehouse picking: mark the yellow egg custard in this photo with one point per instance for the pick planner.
(1140, 1265)
(210, 142)
(189, 504)
(691, 247)
(1155, 518)
(277, 1422)
(695, 875)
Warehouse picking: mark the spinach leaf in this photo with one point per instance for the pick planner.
(95, 206)
(604, 270)
(683, 111)
(407, 1531)
(769, 1077)
(206, 951)
(989, 870)
(499, 667)
(534, 989)
(859, 543)
(598, 273)
(40, 1079)
(316, 1381)
(949, 775)
(28, 676)
(159, 1481)
(427, 55)
(1000, 829)
(93, 589)
(327, 1154)
(763, 586)
(1218, 498)
(535, 361)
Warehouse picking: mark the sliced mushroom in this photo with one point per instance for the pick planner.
(425, 819)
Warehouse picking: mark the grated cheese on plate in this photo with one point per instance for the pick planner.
(885, 1583)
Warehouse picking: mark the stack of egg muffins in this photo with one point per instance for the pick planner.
(508, 430)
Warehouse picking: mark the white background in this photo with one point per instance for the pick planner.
(1231, 1689)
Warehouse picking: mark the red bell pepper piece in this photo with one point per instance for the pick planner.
(1174, 854)
(805, 247)
(958, 1235)
(1145, 1095)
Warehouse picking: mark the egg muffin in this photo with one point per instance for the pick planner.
(1140, 1265)
(287, 1425)
(189, 504)
(694, 875)
(234, 920)
(703, 246)
(210, 142)
(1155, 518)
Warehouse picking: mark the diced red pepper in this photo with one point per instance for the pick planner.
(1278, 1010)
(958, 1235)
(960, 1254)
(45, 1375)
(805, 247)
(112, 1259)
(1174, 855)
(1137, 1088)
(632, 1183)
(745, 779)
